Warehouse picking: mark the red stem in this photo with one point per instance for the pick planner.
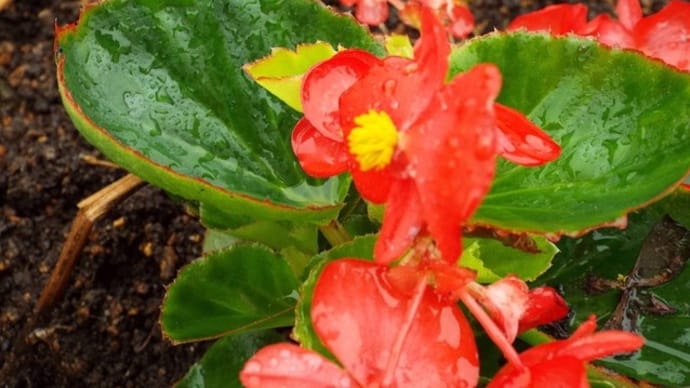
(491, 329)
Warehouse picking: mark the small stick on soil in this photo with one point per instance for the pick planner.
(90, 210)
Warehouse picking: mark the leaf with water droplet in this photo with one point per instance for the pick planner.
(144, 80)
(236, 290)
(625, 139)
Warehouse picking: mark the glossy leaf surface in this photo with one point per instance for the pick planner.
(221, 364)
(492, 260)
(623, 123)
(605, 255)
(158, 86)
(243, 288)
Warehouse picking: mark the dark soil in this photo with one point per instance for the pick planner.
(105, 331)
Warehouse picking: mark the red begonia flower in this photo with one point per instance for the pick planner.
(457, 17)
(382, 335)
(664, 35)
(370, 12)
(397, 127)
(515, 308)
(562, 363)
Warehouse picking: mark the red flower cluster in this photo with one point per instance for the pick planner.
(457, 16)
(664, 35)
(425, 148)
(562, 363)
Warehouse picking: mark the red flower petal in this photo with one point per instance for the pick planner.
(558, 19)
(452, 153)
(463, 21)
(561, 363)
(629, 13)
(324, 84)
(318, 155)
(521, 141)
(432, 50)
(373, 185)
(544, 305)
(666, 35)
(402, 221)
(288, 365)
(401, 87)
(506, 301)
(358, 315)
(609, 32)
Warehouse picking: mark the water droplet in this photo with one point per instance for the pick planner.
(389, 87)
(344, 382)
(411, 68)
(252, 367)
(285, 353)
(273, 362)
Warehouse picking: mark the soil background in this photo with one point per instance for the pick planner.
(105, 331)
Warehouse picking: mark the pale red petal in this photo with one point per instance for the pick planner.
(402, 222)
(521, 141)
(629, 12)
(557, 19)
(666, 35)
(544, 305)
(506, 301)
(372, 12)
(325, 83)
(608, 32)
(462, 21)
(358, 316)
(288, 365)
(452, 151)
(318, 155)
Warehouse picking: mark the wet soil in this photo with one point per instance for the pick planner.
(105, 331)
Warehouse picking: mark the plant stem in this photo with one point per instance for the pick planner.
(404, 331)
(335, 233)
(491, 329)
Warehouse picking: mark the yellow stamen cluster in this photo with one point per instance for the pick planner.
(373, 140)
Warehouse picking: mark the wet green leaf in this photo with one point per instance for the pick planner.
(221, 364)
(492, 260)
(243, 288)
(623, 122)
(604, 255)
(158, 86)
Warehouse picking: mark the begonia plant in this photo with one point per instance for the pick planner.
(400, 207)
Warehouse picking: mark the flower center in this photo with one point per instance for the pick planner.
(373, 140)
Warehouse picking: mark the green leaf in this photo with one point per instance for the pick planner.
(221, 364)
(281, 72)
(608, 253)
(492, 260)
(623, 123)
(158, 87)
(399, 45)
(243, 288)
(360, 247)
